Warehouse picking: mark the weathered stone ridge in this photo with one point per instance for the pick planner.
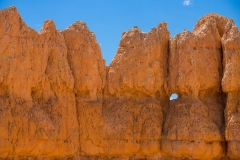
(135, 94)
(230, 85)
(89, 72)
(194, 122)
(58, 99)
(37, 99)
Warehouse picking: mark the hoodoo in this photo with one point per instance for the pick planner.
(194, 125)
(37, 106)
(231, 86)
(58, 99)
(136, 93)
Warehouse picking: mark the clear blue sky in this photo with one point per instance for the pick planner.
(109, 18)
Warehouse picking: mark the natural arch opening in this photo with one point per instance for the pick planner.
(174, 96)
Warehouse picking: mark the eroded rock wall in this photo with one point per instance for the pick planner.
(58, 100)
(135, 94)
(38, 109)
(89, 72)
(230, 85)
(194, 125)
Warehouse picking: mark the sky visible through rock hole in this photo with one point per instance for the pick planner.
(108, 19)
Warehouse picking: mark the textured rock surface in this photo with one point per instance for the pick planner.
(194, 126)
(37, 105)
(58, 100)
(89, 71)
(230, 85)
(135, 95)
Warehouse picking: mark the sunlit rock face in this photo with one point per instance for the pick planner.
(58, 99)
(231, 85)
(194, 125)
(37, 103)
(135, 94)
(89, 72)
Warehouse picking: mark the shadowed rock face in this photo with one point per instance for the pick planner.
(58, 100)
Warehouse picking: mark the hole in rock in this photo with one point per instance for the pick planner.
(173, 96)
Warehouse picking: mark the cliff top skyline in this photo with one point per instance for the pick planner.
(109, 19)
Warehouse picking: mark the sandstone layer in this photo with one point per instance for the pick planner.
(230, 85)
(38, 108)
(58, 99)
(135, 94)
(89, 72)
(194, 123)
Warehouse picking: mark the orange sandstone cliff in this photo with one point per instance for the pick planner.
(58, 99)
(135, 95)
(38, 107)
(194, 125)
(231, 86)
(89, 72)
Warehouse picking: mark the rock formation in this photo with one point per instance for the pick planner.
(38, 109)
(230, 85)
(89, 72)
(58, 100)
(194, 123)
(135, 94)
